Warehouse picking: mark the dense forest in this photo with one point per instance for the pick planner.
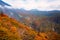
(11, 29)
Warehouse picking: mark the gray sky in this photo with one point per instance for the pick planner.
(35, 4)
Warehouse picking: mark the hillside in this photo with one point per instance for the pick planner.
(11, 29)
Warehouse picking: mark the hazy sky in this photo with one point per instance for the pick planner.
(35, 4)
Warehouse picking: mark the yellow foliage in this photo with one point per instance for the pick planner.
(5, 34)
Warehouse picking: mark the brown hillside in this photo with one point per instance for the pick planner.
(11, 29)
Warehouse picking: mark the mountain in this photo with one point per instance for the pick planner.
(23, 15)
(11, 29)
(30, 17)
(43, 16)
(20, 24)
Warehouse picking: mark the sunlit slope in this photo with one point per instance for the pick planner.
(11, 29)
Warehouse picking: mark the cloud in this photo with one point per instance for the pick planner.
(35, 4)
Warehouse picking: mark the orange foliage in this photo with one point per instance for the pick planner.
(38, 37)
(41, 36)
(12, 27)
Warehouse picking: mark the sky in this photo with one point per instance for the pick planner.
(35, 4)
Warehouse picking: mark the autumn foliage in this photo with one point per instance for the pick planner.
(11, 29)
